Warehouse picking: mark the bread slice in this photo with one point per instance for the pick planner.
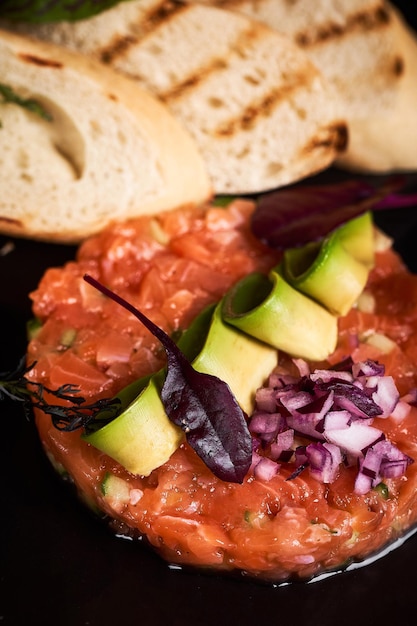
(386, 141)
(351, 41)
(110, 152)
(369, 56)
(260, 112)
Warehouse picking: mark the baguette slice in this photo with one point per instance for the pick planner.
(387, 142)
(369, 55)
(111, 151)
(260, 112)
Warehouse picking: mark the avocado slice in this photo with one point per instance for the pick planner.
(240, 360)
(142, 437)
(268, 308)
(335, 271)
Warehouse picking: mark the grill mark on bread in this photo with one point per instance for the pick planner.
(226, 4)
(11, 222)
(364, 21)
(398, 67)
(117, 48)
(334, 135)
(193, 81)
(263, 107)
(239, 47)
(39, 61)
(153, 19)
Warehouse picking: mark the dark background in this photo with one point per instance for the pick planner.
(60, 567)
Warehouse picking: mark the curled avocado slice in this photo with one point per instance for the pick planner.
(238, 359)
(334, 272)
(268, 308)
(142, 437)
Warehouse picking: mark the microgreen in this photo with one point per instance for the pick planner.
(9, 96)
(298, 214)
(75, 413)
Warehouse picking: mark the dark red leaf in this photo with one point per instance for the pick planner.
(298, 214)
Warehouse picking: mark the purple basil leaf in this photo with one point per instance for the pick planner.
(214, 424)
(295, 215)
(201, 404)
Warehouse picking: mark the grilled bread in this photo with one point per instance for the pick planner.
(386, 142)
(107, 151)
(260, 112)
(369, 55)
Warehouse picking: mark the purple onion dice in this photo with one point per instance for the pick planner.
(325, 418)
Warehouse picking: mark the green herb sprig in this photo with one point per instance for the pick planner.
(9, 96)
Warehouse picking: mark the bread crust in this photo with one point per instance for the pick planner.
(112, 151)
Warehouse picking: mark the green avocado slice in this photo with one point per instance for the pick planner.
(238, 359)
(271, 310)
(142, 437)
(335, 271)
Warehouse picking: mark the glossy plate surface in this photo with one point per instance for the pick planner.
(59, 566)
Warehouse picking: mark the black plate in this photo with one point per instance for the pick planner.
(59, 566)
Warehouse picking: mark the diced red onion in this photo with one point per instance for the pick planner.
(265, 399)
(301, 456)
(326, 376)
(302, 366)
(293, 401)
(393, 469)
(392, 459)
(285, 439)
(401, 411)
(281, 449)
(356, 439)
(371, 465)
(265, 469)
(334, 409)
(337, 419)
(264, 423)
(363, 484)
(324, 460)
(309, 419)
(386, 395)
(383, 460)
(368, 368)
(278, 381)
(355, 400)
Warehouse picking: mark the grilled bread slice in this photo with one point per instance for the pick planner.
(386, 141)
(260, 112)
(109, 151)
(351, 41)
(369, 55)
